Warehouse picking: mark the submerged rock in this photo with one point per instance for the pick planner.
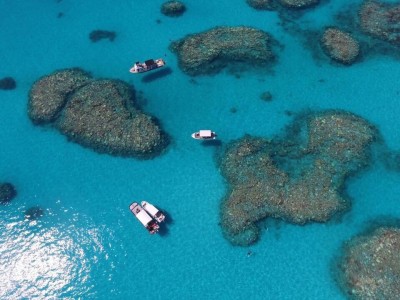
(98, 35)
(102, 116)
(7, 192)
(211, 51)
(49, 94)
(340, 46)
(299, 180)
(7, 83)
(266, 96)
(369, 267)
(173, 8)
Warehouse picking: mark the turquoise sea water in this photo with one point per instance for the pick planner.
(88, 244)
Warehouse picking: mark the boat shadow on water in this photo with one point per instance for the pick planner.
(211, 143)
(164, 227)
(155, 75)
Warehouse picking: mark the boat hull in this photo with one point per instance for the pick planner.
(153, 211)
(144, 218)
(147, 66)
(197, 136)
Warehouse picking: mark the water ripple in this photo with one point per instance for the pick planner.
(42, 261)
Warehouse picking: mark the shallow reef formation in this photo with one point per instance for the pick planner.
(381, 20)
(49, 94)
(102, 115)
(7, 192)
(98, 35)
(261, 4)
(298, 4)
(7, 83)
(98, 114)
(299, 179)
(340, 46)
(173, 8)
(369, 267)
(282, 4)
(34, 213)
(211, 51)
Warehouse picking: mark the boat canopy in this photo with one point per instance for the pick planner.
(151, 209)
(205, 133)
(144, 218)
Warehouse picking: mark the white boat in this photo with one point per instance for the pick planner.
(144, 218)
(153, 211)
(204, 135)
(148, 65)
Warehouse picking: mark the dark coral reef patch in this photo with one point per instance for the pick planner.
(369, 265)
(299, 179)
(98, 114)
(34, 213)
(285, 4)
(261, 4)
(7, 192)
(173, 8)
(7, 83)
(98, 35)
(211, 51)
(381, 20)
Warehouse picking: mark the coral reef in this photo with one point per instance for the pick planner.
(381, 20)
(101, 115)
(49, 94)
(294, 180)
(7, 83)
(261, 4)
(340, 46)
(98, 114)
(298, 4)
(282, 5)
(34, 213)
(369, 267)
(97, 35)
(7, 192)
(211, 51)
(173, 8)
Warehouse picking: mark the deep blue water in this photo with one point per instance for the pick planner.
(88, 244)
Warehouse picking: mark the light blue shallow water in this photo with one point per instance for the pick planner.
(88, 244)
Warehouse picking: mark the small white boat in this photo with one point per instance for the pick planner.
(144, 218)
(148, 65)
(153, 211)
(204, 135)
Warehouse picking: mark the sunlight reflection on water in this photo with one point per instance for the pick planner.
(40, 262)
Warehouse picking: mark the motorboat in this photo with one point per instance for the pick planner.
(148, 65)
(204, 135)
(144, 218)
(153, 211)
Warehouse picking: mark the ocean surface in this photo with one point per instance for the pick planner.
(88, 245)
